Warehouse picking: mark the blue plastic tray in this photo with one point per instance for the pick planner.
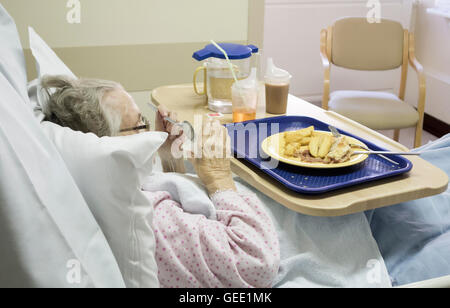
(247, 146)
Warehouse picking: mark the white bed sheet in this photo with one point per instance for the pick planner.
(48, 236)
(322, 251)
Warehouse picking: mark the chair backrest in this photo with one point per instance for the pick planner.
(360, 45)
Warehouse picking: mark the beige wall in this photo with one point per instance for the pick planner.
(140, 43)
(433, 50)
(256, 17)
(292, 38)
(132, 22)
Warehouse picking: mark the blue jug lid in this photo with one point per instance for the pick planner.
(234, 51)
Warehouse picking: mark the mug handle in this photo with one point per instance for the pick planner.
(195, 80)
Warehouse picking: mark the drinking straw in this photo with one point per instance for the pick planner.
(226, 57)
(241, 94)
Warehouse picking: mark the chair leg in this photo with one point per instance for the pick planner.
(418, 137)
(397, 135)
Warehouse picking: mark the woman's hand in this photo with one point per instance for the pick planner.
(173, 142)
(213, 167)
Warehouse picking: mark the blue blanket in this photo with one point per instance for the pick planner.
(414, 237)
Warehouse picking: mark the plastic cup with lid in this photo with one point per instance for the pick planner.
(277, 82)
(245, 98)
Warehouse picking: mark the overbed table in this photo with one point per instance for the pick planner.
(424, 180)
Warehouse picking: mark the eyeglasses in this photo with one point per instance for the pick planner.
(145, 126)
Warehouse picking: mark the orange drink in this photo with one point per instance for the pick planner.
(243, 114)
(245, 98)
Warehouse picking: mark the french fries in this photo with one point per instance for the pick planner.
(305, 141)
(295, 141)
(299, 135)
(321, 146)
(318, 143)
(314, 146)
(290, 149)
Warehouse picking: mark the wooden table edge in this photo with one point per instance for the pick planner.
(283, 195)
(254, 178)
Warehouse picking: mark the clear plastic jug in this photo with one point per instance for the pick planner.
(218, 78)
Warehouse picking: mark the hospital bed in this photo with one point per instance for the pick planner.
(49, 235)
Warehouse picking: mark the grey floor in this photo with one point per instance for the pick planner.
(406, 135)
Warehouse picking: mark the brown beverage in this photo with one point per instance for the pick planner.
(276, 98)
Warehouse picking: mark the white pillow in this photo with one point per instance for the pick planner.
(45, 224)
(33, 88)
(47, 63)
(12, 61)
(109, 172)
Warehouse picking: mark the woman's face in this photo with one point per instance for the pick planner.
(121, 101)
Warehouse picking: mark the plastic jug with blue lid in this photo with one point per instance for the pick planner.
(218, 78)
(234, 52)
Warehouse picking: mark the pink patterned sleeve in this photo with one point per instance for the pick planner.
(239, 249)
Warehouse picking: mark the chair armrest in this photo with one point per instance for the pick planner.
(415, 64)
(326, 66)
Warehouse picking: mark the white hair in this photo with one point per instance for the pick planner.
(76, 103)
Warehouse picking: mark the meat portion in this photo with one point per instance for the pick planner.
(308, 158)
(340, 152)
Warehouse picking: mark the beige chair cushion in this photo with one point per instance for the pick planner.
(377, 110)
(359, 45)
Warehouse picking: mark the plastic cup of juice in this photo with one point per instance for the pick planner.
(245, 98)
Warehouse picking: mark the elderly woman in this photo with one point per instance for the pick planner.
(239, 249)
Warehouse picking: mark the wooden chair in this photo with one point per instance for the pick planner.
(354, 43)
